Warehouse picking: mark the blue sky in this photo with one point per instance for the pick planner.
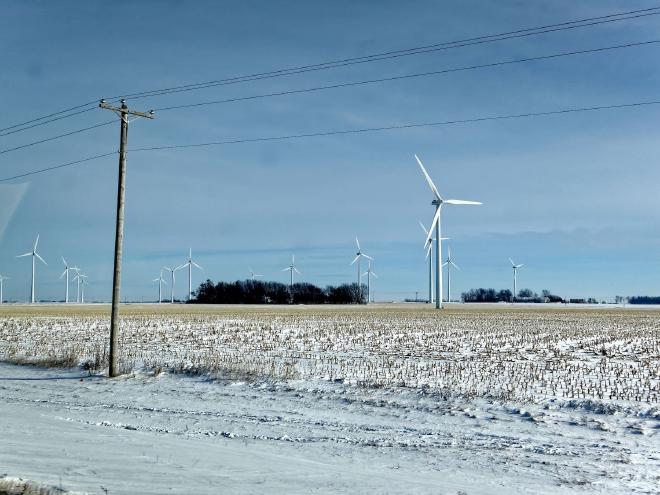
(573, 197)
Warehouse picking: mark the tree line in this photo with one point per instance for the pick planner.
(505, 295)
(262, 292)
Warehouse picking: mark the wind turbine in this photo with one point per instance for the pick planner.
(436, 223)
(66, 271)
(292, 268)
(172, 270)
(2, 279)
(160, 286)
(449, 263)
(252, 274)
(368, 274)
(357, 258)
(34, 255)
(80, 278)
(515, 276)
(190, 263)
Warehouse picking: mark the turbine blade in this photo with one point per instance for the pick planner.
(297, 271)
(357, 242)
(64, 261)
(428, 179)
(26, 254)
(197, 265)
(461, 202)
(444, 264)
(455, 265)
(42, 260)
(512, 263)
(374, 274)
(356, 258)
(436, 217)
(180, 267)
(367, 256)
(64, 273)
(287, 268)
(521, 265)
(36, 242)
(423, 228)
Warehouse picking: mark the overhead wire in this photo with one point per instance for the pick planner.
(354, 83)
(585, 22)
(564, 111)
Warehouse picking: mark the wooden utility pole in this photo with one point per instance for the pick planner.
(123, 112)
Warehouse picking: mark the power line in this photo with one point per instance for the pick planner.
(399, 126)
(53, 138)
(564, 111)
(55, 167)
(586, 22)
(408, 76)
(400, 53)
(355, 83)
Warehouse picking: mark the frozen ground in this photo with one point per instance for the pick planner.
(180, 434)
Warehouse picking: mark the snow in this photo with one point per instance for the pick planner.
(176, 433)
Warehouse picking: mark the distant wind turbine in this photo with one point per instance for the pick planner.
(369, 273)
(80, 278)
(173, 280)
(2, 279)
(252, 274)
(291, 268)
(515, 276)
(438, 201)
(34, 255)
(357, 258)
(449, 263)
(160, 286)
(66, 271)
(190, 263)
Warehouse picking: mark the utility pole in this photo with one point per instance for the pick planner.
(123, 112)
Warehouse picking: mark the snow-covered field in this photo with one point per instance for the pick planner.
(335, 400)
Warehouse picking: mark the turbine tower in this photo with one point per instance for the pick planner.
(190, 263)
(292, 268)
(438, 201)
(369, 273)
(34, 255)
(357, 258)
(160, 286)
(449, 263)
(515, 277)
(173, 279)
(2, 279)
(66, 271)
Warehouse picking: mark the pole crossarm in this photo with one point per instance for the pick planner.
(124, 110)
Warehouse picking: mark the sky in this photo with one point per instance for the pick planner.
(573, 197)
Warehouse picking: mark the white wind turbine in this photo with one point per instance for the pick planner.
(436, 223)
(190, 263)
(173, 280)
(66, 271)
(357, 258)
(2, 279)
(515, 277)
(369, 273)
(252, 274)
(449, 263)
(292, 268)
(160, 281)
(80, 278)
(34, 255)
